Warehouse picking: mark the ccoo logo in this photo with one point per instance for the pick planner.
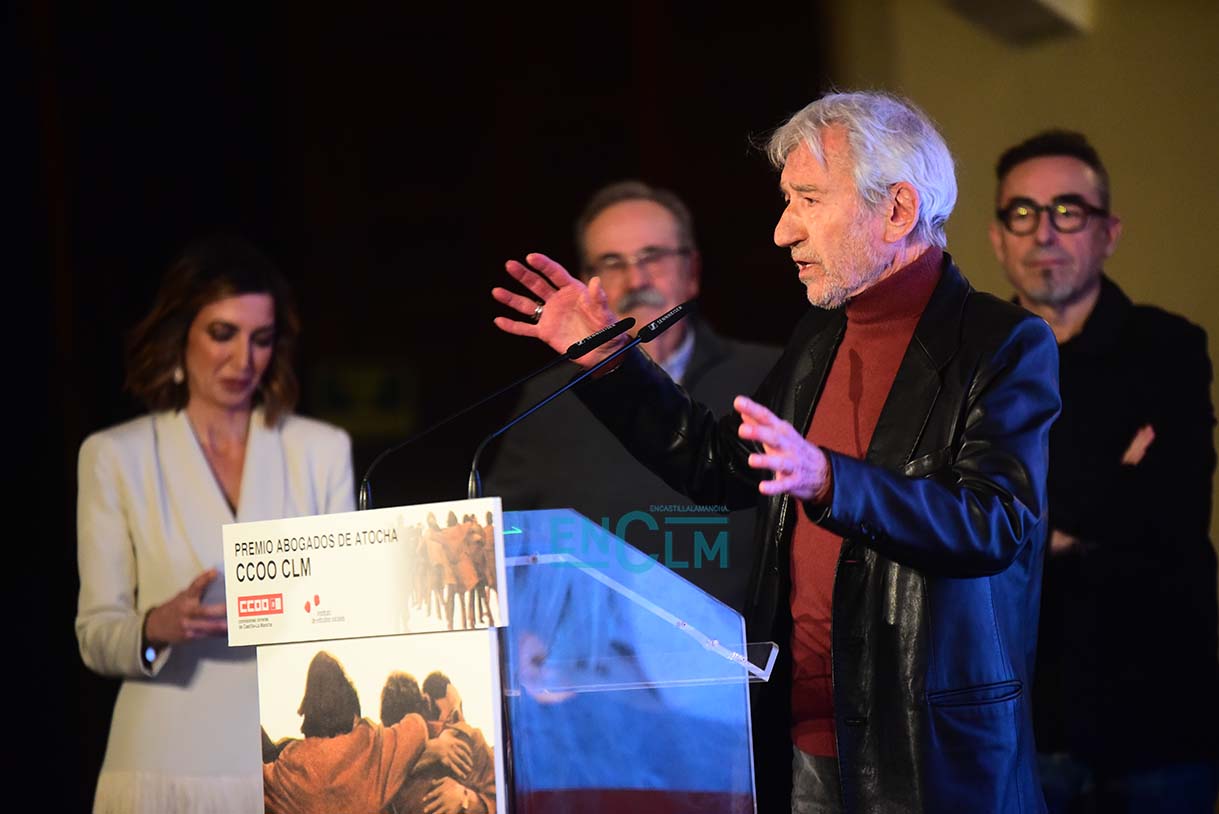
(261, 605)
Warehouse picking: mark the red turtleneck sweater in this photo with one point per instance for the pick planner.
(880, 324)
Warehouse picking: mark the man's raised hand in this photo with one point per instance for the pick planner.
(569, 310)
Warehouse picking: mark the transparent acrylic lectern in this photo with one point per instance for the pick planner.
(626, 687)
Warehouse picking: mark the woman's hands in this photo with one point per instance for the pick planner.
(185, 617)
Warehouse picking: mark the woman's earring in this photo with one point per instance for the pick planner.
(179, 374)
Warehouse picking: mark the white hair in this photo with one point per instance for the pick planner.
(890, 140)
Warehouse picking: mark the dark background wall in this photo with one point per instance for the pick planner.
(390, 158)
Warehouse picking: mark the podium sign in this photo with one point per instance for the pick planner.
(377, 652)
(450, 680)
(407, 569)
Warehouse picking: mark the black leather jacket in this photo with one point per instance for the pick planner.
(937, 588)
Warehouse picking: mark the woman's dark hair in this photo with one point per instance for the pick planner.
(211, 269)
(330, 705)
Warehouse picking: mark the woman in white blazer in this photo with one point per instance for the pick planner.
(213, 362)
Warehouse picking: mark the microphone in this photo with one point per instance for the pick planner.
(646, 334)
(663, 322)
(574, 351)
(593, 341)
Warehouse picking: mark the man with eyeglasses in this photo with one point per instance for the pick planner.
(639, 241)
(1126, 690)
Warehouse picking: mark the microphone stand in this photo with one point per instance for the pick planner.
(575, 351)
(474, 487)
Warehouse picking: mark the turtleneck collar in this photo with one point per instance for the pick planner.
(903, 294)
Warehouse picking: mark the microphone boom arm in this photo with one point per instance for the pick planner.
(474, 488)
(574, 351)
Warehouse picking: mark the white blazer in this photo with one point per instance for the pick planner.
(185, 734)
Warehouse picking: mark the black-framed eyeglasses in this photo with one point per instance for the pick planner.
(1068, 213)
(648, 260)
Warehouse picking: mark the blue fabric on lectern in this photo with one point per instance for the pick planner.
(566, 628)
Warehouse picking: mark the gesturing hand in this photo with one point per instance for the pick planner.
(570, 309)
(1138, 445)
(185, 617)
(800, 468)
(1061, 542)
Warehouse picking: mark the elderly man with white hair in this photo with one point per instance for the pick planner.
(897, 453)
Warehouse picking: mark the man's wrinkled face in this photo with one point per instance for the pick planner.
(835, 239)
(1049, 267)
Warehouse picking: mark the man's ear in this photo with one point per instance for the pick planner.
(1113, 231)
(901, 214)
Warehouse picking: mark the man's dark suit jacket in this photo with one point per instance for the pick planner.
(1127, 676)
